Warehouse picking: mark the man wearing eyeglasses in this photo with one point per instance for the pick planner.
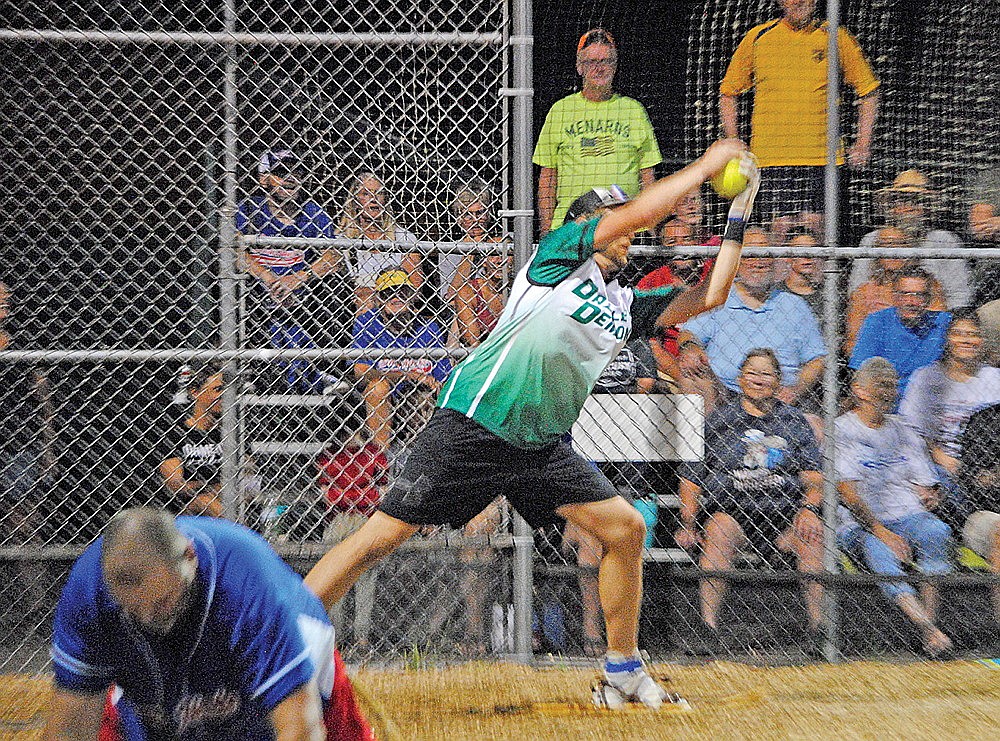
(593, 138)
(908, 335)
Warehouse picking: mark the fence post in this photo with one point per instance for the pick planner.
(831, 321)
(228, 339)
(523, 224)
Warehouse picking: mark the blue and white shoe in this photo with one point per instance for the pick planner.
(626, 680)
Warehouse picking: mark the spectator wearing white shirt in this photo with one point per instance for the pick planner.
(886, 482)
(366, 215)
(942, 396)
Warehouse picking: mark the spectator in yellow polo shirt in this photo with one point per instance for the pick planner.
(594, 138)
(784, 62)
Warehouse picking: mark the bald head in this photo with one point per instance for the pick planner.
(149, 567)
(145, 529)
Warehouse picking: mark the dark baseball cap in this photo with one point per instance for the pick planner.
(595, 199)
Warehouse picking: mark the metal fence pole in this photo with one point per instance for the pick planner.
(228, 338)
(523, 225)
(831, 321)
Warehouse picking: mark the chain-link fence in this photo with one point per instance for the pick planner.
(169, 257)
(245, 245)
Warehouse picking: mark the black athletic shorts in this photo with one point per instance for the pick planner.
(455, 467)
(786, 191)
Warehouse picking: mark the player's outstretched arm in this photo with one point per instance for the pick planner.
(713, 291)
(73, 716)
(657, 201)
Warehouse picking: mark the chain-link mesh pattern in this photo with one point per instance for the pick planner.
(142, 135)
(311, 198)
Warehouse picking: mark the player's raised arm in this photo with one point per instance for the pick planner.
(713, 291)
(654, 203)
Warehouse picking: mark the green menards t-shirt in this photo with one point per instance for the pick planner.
(560, 329)
(595, 145)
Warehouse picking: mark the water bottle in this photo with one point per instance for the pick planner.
(272, 526)
(650, 515)
(502, 630)
(498, 631)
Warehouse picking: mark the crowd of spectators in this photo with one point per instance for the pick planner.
(917, 444)
(756, 362)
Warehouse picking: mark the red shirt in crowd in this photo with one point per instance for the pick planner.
(354, 477)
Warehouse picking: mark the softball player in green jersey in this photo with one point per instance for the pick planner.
(504, 411)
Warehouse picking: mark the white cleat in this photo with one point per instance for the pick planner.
(616, 689)
(649, 692)
(605, 696)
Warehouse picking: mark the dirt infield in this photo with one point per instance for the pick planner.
(729, 701)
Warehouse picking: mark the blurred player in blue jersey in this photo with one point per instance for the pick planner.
(503, 411)
(202, 632)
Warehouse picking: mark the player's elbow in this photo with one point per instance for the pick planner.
(712, 297)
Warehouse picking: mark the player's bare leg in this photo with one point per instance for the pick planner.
(337, 571)
(621, 530)
(588, 556)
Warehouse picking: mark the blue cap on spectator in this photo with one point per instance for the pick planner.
(278, 159)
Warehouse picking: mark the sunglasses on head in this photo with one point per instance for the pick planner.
(595, 36)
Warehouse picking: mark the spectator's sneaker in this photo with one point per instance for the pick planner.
(626, 680)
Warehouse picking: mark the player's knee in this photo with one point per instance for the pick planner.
(627, 531)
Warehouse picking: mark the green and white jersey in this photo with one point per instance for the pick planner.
(563, 324)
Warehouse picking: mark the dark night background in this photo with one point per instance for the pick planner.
(112, 154)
